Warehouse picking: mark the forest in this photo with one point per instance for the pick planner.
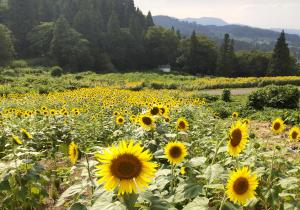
(114, 35)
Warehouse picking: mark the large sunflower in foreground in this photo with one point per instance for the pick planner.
(238, 137)
(127, 167)
(74, 153)
(175, 152)
(147, 122)
(241, 186)
(182, 124)
(294, 133)
(278, 126)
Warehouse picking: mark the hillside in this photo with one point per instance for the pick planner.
(207, 21)
(246, 37)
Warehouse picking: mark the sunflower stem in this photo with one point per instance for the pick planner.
(217, 150)
(130, 200)
(89, 173)
(223, 201)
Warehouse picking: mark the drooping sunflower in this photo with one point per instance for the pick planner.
(26, 134)
(127, 167)
(74, 153)
(120, 120)
(17, 140)
(147, 122)
(278, 126)
(238, 137)
(241, 186)
(235, 115)
(175, 152)
(182, 124)
(294, 133)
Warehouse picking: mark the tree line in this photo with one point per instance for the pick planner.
(105, 35)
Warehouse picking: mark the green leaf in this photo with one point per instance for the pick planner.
(78, 206)
(155, 202)
(198, 161)
(197, 203)
(213, 172)
(289, 183)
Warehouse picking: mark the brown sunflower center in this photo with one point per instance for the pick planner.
(182, 125)
(276, 126)
(294, 135)
(162, 110)
(74, 151)
(147, 120)
(126, 166)
(154, 111)
(241, 185)
(236, 137)
(175, 152)
(120, 120)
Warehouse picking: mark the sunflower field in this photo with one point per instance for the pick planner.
(112, 148)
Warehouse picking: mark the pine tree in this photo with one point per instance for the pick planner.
(281, 63)
(23, 16)
(226, 58)
(149, 20)
(6, 46)
(113, 25)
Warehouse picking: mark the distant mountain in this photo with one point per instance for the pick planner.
(207, 21)
(287, 30)
(246, 37)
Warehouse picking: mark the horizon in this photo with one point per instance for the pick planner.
(243, 11)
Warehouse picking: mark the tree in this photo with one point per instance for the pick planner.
(113, 25)
(281, 62)
(197, 55)
(226, 58)
(149, 20)
(69, 48)
(6, 46)
(161, 46)
(253, 63)
(23, 16)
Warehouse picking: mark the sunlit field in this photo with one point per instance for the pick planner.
(115, 147)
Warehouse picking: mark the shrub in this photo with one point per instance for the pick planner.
(226, 95)
(56, 71)
(275, 96)
(19, 64)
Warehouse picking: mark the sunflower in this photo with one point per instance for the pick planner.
(120, 120)
(278, 126)
(175, 152)
(17, 140)
(182, 124)
(238, 137)
(74, 153)
(147, 122)
(246, 122)
(127, 167)
(294, 133)
(26, 134)
(154, 110)
(235, 115)
(184, 170)
(241, 186)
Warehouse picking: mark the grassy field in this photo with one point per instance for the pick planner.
(54, 130)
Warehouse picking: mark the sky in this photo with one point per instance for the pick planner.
(258, 13)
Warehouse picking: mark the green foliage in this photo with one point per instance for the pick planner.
(275, 96)
(226, 95)
(197, 55)
(56, 71)
(161, 46)
(69, 48)
(226, 58)
(7, 51)
(281, 62)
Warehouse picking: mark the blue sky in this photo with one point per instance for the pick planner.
(260, 13)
